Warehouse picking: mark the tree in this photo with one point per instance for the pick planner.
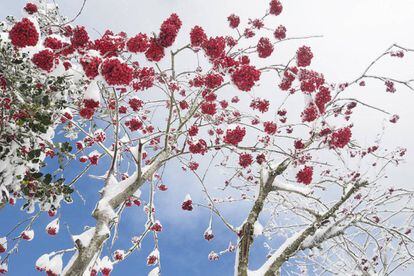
(123, 102)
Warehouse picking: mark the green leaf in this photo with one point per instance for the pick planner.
(47, 179)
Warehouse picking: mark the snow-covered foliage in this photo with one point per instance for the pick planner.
(33, 102)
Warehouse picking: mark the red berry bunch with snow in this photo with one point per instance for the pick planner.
(53, 227)
(187, 204)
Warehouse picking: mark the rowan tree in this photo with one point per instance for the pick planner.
(128, 104)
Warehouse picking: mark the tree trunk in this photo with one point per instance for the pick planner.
(247, 231)
(102, 232)
(246, 235)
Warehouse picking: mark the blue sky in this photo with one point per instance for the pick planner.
(354, 32)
